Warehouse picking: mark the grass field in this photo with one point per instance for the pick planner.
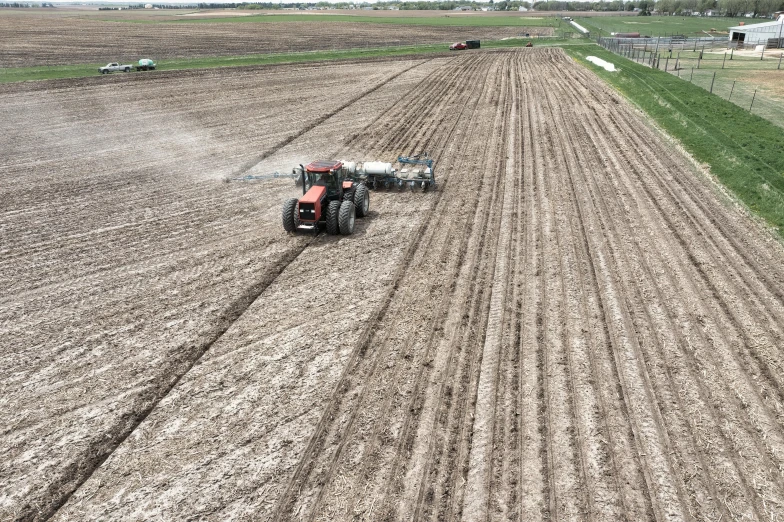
(660, 25)
(752, 80)
(742, 149)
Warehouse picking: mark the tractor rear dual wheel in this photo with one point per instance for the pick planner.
(362, 200)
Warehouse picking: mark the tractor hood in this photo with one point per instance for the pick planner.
(314, 195)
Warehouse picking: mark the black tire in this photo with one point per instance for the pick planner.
(348, 214)
(333, 226)
(362, 200)
(127, 69)
(290, 215)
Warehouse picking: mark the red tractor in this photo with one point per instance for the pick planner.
(329, 197)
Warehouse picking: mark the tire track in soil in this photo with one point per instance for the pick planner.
(693, 457)
(79, 473)
(585, 132)
(728, 485)
(768, 365)
(581, 129)
(478, 477)
(573, 332)
(356, 375)
(420, 439)
(654, 444)
(255, 161)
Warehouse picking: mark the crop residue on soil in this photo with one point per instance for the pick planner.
(573, 326)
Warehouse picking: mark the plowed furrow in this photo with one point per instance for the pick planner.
(690, 341)
(667, 492)
(357, 374)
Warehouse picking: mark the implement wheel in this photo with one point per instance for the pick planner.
(290, 215)
(333, 209)
(362, 200)
(347, 216)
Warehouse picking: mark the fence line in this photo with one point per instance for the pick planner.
(720, 73)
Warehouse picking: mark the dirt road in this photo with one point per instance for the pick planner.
(576, 325)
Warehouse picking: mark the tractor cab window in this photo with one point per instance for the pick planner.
(325, 179)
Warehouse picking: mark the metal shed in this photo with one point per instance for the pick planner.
(770, 34)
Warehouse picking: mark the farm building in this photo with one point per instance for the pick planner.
(768, 33)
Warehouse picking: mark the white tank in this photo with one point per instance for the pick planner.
(378, 168)
(350, 167)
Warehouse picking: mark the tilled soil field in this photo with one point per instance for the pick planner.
(576, 325)
(27, 39)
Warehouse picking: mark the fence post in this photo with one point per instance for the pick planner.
(724, 60)
(677, 59)
(692, 74)
(780, 56)
(732, 53)
(731, 90)
(762, 54)
(752, 100)
(666, 64)
(713, 80)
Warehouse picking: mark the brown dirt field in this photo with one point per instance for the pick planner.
(573, 326)
(42, 39)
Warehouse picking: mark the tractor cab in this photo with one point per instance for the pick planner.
(324, 174)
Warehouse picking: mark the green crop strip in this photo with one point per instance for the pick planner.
(742, 150)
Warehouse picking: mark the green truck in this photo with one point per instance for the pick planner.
(145, 64)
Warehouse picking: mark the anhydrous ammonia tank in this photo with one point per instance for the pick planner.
(145, 62)
(350, 166)
(378, 168)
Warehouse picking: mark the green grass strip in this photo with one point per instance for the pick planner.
(18, 74)
(742, 150)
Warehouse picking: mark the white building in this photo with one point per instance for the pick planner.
(758, 34)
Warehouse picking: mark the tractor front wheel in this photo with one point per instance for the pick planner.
(333, 227)
(362, 200)
(348, 214)
(290, 217)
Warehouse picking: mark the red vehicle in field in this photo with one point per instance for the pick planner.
(457, 46)
(328, 198)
